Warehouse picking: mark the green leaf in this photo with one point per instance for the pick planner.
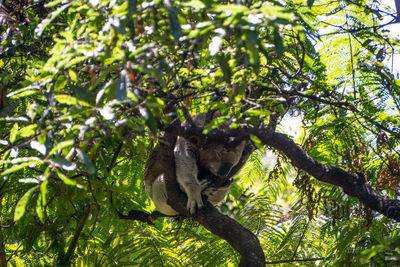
(41, 201)
(231, 9)
(13, 133)
(65, 179)
(21, 205)
(22, 93)
(28, 131)
(141, 147)
(194, 4)
(173, 19)
(42, 26)
(73, 75)
(215, 123)
(310, 3)
(257, 142)
(70, 100)
(86, 161)
(252, 49)
(278, 41)
(17, 167)
(75, 61)
(39, 147)
(121, 87)
(226, 70)
(60, 83)
(61, 146)
(277, 11)
(53, 3)
(83, 93)
(63, 163)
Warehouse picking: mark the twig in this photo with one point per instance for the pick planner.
(13, 254)
(183, 58)
(116, 153)
(353, 73)
(342, 30)
(342, 104)
(75, 238)
(295, 260)
(301, 239)
(142, 216)
(186, 114)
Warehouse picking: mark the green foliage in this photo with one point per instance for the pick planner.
(85, 86)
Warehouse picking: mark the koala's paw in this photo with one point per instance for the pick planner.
(194, 196)
(209, 191)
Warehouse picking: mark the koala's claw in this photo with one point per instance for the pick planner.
(194, 197)
(194, 204)
(203, 184)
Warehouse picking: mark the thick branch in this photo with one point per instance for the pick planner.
(240, 238)
(294, 260)
(352, 184)
(216, 136)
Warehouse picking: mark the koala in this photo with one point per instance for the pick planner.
(196, 171)
(158, 193)
(217, 159)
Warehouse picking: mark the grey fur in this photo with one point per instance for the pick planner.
(188, 159)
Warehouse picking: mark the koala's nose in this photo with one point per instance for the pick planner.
(225, 169)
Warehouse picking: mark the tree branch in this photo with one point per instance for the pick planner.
(115, 156)
(352, 184)
(142, 216)
(75, 238)
(3, 260)
(294, 260)
(241, 239)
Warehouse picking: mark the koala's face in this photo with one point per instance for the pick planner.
(220, 160)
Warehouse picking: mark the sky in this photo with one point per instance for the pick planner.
(394, 28)
(394, 31)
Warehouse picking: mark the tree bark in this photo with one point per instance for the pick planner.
(3, 259)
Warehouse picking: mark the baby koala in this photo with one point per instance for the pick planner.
(217, 159)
